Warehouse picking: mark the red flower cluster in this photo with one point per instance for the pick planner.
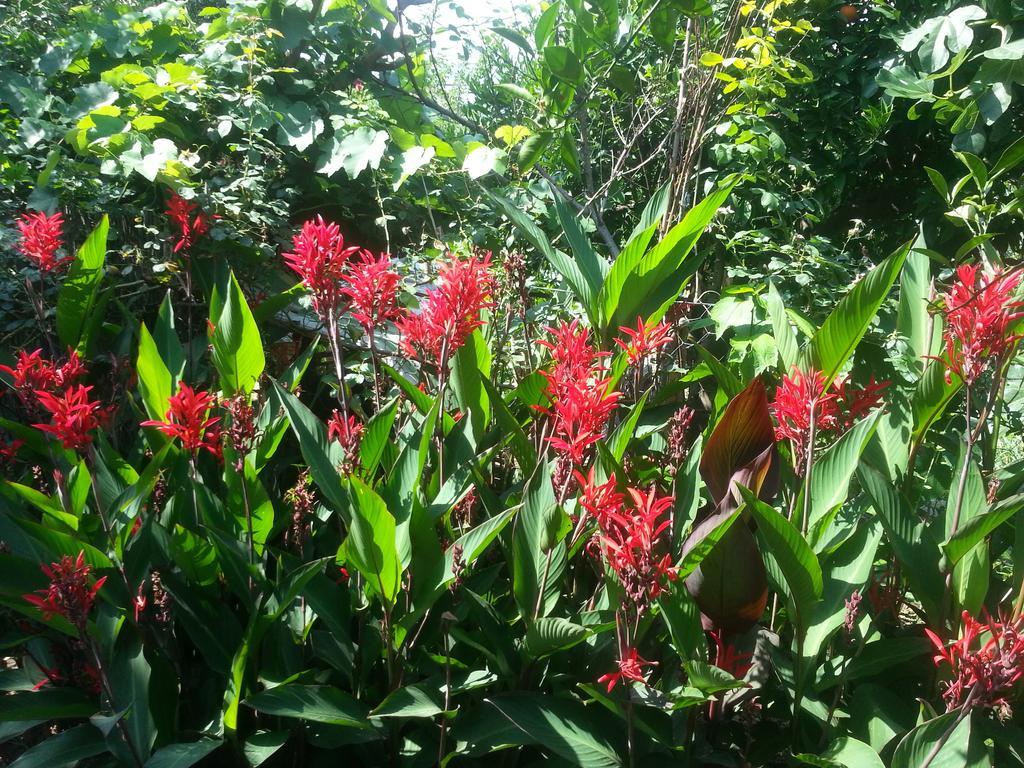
(631, 667)
(628, 536)
(69, 593)
(450, 312)
(189, 225)
(835, 410)
(33, 372)
(979, 314)
(188, 420)
(73, 416)
(372, 290)
(644, 339)
(41, 238)
(348, 431)
(319, 256)
(984, 675)
(580, 395)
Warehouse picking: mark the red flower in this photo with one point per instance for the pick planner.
(835, 410)
(41, 238)
(644, 339)
(581, 398)
(373, 291)
(982, 675)
(188, 419)
(630, 668)
(349, 434)
(629, 538)
(69, 594)
(450, 312)
(345, 430)
(34, 372)
(979, 313)
(319, 257)
(603, 501)
(189, 225)
(74, 416)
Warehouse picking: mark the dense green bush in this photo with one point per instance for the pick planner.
(635, 385)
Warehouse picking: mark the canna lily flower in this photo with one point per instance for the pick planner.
(581, 398)
(41, 238)
(631, 667)
(628, 539)
(372, 290)
(188, 420)
(644, 339)
(834, 410)
(69, 593)
(984, 675)
(979, 313)
(450, 312)
(33, 372)
(344, 430)
(73, 416)
(319, 257)
(189, 225)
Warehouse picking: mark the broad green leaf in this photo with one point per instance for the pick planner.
(834, 343)
(78, 291)
(475, 541)
(483, 160)
(912, 320)
(298, 126)
(931, 398)
(529, 563)
(709, 679)
(796, 559)
(785, 337)
(563, 63)
(593, 266)
(182, 755)
(418, 700)
(154, 377)
(832, 472)
(470, 367)
(316, 703)
(237, 348)
(955, 751)
(531, 150)
(376, 436)
(845, 752)
(263, 745)
(129, 678)
(168, 344)
(550, 634)
(980, 526)
(704, 539)
(65, 749)
(845, 570)
(355, 152)
(565, 728)
(637, 279)
(371, 544)
(46, 704)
